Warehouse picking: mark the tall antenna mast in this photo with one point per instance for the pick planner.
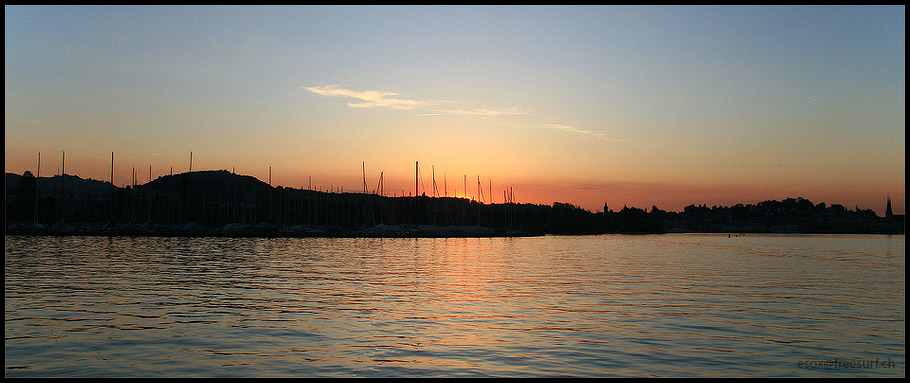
(191, 162)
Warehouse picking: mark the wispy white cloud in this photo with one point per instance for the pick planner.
(374, 99)
(569, 128)
(481, 112)
(369, 98)
(572, 129)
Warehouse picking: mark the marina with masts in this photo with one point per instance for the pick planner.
(222, 203)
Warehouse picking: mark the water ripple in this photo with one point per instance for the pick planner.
(599, 306)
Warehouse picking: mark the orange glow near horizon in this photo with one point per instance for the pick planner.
(591, 195)
(628, 106)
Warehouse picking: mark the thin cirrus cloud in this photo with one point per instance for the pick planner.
(569, 129)
(369, 98)
(484, 112)
(373, 99)
(379, 99)
(572, 129)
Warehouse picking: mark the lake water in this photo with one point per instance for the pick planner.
(679, 305)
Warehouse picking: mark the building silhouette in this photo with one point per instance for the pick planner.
(888, 213)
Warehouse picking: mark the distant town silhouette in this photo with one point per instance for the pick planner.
(220, 203)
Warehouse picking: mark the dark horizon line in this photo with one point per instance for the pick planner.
(856, 208)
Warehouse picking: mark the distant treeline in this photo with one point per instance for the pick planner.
(212, 200)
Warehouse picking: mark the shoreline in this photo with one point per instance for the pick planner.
(361, 234)
(413, 233)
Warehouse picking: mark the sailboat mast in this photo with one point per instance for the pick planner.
(435, 189)
(37, 179)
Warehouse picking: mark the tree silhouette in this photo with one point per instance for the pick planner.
(24, 205)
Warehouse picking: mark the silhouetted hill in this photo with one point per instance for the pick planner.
(57, 184)
(222, 202)
(215, 184)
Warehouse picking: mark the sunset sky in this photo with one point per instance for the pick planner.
(635, 106)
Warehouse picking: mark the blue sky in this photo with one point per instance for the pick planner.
(649, 105)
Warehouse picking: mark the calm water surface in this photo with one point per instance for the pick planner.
(662, 305)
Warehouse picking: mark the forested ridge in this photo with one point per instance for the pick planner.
(223, 202)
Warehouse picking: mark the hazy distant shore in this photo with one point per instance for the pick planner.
(223, 204)
(337, 233)
(416, 232)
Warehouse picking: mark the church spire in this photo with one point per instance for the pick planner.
(888, 212)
